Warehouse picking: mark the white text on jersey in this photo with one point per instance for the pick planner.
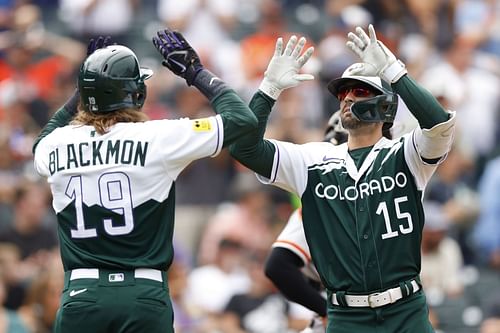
(363, 190)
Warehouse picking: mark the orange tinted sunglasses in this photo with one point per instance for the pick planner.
(356, 91)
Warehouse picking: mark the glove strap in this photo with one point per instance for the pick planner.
(393, 72)
(269, 89)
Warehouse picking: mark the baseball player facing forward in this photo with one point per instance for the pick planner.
(362, 200)
(289, 264)
(112, 175)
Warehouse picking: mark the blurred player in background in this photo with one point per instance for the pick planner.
(112, 175)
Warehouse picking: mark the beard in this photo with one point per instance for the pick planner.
(350, 122)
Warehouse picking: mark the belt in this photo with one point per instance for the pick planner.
(139, 273)
(376, 300)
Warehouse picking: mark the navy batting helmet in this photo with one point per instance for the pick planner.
(111, 79)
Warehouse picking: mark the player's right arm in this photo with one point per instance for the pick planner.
(182, 60)
(435, 136)
(252, 150)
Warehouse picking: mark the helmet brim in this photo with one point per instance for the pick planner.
(373, 81)
(145, 73)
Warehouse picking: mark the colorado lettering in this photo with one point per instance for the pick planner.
(365, 189)
(98, 153)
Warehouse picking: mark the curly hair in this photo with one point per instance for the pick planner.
(103, 121)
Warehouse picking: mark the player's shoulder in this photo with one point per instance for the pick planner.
(320, 152)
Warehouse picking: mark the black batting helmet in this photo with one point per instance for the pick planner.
(111, 79)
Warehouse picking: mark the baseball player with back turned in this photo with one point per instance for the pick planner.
(112, 175)
(361, 200)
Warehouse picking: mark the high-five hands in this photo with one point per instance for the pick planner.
(178, 55)
(283, 69)
(375, 53)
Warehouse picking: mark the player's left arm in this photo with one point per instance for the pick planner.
(64, 115)
(434, 137)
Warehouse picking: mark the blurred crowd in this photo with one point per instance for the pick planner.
(226, 221)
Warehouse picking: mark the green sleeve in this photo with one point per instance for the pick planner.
(237, 118)
(420, 102)
(61, 118)
(252, 150)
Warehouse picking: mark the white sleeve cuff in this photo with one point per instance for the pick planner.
(393, 72)
(267, 88)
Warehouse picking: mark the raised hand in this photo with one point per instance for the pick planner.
(283, 69)
(178, 55)
(98, 43)
(374, 52)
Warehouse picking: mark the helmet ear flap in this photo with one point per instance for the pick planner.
(140, 95)
(381, 108)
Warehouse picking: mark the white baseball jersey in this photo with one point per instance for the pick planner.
(117, 189)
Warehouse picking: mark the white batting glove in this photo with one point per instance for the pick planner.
(375, 53)
(283, 69)
(360, 69)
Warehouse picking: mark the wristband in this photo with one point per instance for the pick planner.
(209, 84)
(269, 89)
(393, 72)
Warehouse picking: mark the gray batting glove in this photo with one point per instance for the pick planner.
(374, 52)
(283, 69)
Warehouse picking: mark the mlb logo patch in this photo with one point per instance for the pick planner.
(202, 125)
(116, 277)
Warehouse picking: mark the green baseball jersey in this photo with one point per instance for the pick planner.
(114, 193)
(363, 223)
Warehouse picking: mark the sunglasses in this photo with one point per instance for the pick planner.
(356, 91)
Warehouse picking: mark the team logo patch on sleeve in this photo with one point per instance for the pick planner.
(202, 125)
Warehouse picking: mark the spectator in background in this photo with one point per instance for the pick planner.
(89, 18)
(258, 47)
(487, 229)
(43, 296)
(259, 310)
(211, 286)
(27, 230)
(10, 177)
(206, 21)
(247, 220)
(36, 58)
(10, 320)
(451, 187)
(201, 21)
(185, 319)
(476, 94)
(492, 322)
(30, 236)
(441, 255)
